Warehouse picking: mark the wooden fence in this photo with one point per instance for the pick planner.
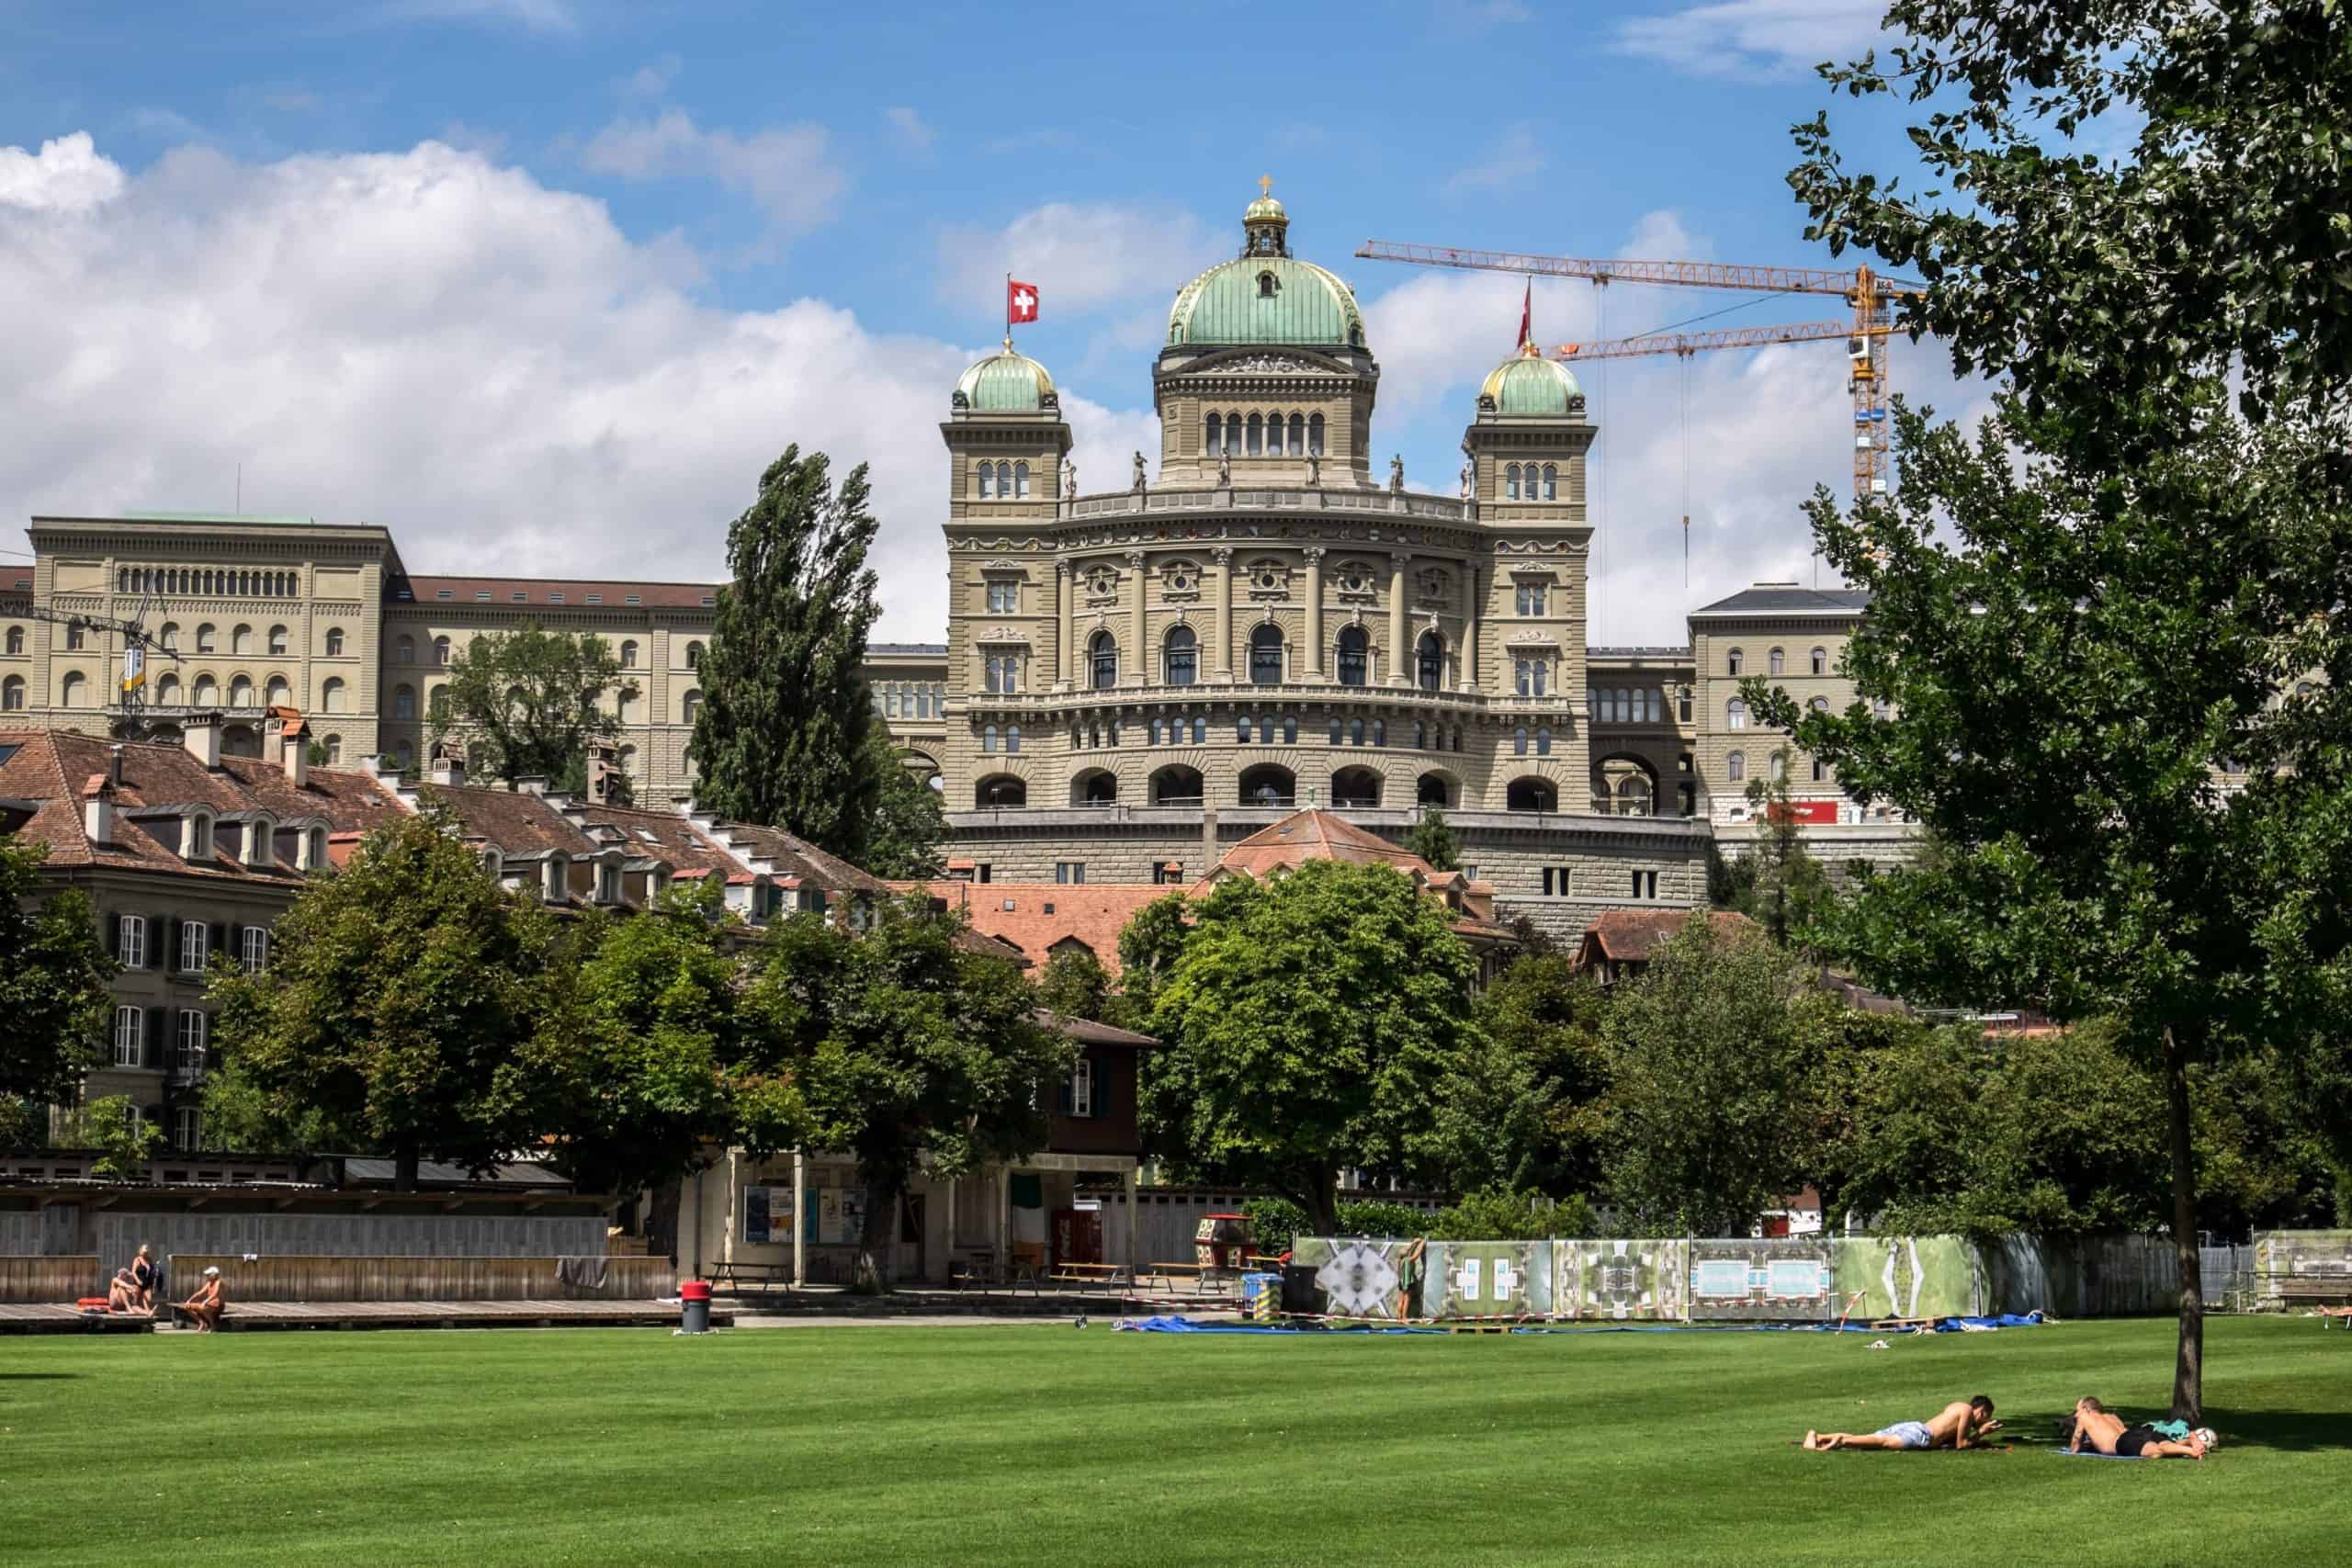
(295, 1278)
(66, 1279)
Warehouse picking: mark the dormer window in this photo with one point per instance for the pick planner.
(260, 838)
(196, 836)
(493, 864)
(314, 850)
(557, 886)
(608, 883)
(1268, 285)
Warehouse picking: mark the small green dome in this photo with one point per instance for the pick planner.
(1266, 298)
(1006, 382)
(1528, 386)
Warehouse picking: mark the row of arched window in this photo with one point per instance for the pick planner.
(278, 640)
(1264, 785)
(1263, 435)
(206, 580)
(1530, 483)
(1542, 736)
(1776, 662)
(1001, 481)
(1180, 659)
(404, 650)
(1009, 738)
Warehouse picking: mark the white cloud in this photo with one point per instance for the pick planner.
(788, 170)
(66, 175)
(650, 80)
(430, 341)
(539, 15)
(1517, 155)
(1754, 39)
(1079, 256)
(908, 123)
(1660, 236)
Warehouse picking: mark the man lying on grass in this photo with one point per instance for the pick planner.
(2102, 1431)
(1953, 1427)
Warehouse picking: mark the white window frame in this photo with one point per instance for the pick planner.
(130, 941)
(187, 1128)
(253, 949)
(194, 1035)
(1081, 1087)
(195, 940)
(129, 1037)
(1069, 873)
(1004, 596)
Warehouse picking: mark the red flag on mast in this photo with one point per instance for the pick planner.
(1526, 306)
(1020, 302)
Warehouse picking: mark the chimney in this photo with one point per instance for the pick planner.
(114, 766)
(449, 772)
(97, 807)
(532, 783)
(295, 757)
(202, 735)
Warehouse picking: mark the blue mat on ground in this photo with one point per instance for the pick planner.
(2004, 1320)
(1176, 1323)
(1179, 1323)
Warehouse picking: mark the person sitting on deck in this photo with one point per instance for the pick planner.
(123, 1293)
(146, 1275)
(206, 1305)
(2102, 1431)
(1952, 1426)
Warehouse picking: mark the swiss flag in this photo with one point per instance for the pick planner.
(1020, 302)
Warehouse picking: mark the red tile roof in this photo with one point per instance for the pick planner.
(1628, 936)
(516, 822)
(537, 589)
(1046, 913)
(1312, 835)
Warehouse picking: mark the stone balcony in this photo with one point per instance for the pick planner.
(1302, 498)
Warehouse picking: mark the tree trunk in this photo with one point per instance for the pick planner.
(661, 1217)
(404, 1161)
(2188, 1369)
(873, 1271)
(1320, 1199)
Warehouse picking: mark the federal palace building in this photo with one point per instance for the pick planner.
(1133, 680)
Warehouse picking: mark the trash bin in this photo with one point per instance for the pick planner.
(693, 1306)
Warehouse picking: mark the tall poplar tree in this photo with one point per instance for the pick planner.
(54, 975)
(781, 738)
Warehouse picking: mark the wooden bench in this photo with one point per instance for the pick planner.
(766, 1276)
(1099, 1276)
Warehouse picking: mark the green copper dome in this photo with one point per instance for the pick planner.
(1266, 295)
(1006, 382)
(1530, 387)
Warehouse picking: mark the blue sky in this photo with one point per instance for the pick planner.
(543, 283)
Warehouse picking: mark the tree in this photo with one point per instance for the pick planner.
(527, 703)
(1779, 884)
(53, 975)
(903, 836)
(1711, 1091)
(1528, 1106)
(911, 1050)
(1149, 945)
(635, 1063)
(124, 1143)
(398, 1002)
(1432, 839)
(783, 735)
(1305, 1027)
(1075, 985)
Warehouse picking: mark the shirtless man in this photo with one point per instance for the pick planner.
(1953, 1427)
(206, 1304)
(2102, 1431)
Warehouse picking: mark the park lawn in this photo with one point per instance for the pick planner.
(1001, 1444)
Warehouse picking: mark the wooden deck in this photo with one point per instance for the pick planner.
(244, 1315)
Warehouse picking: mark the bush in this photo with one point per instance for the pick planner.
(1275, 1222)
(124, 1147)
(1501, 1214)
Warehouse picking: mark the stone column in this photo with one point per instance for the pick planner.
(1139, 671)
(1062, 611)
(1315, 612)
(1401, 661)
(1223, 668)
(1470, 631)
(799, 1220)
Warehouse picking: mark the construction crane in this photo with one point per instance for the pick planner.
(138, 650)
(1871, 296)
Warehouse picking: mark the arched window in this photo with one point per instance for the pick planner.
(1176, 786)
(1151, 732)
(1353, 647)
(988, 481)
(168, 690)
(1233, 433)
(1290, 730)
(17, 639)
(278, 640)
(206, 692)
(1543, 739)
(240, 692)
(694, 656)
(1355, 789)
(1102, 661)
(1734, 660)
(1004, 481)
(1776, 662)
(1431, 651)
(1337, 729)
(1216, 437)
(12, 694)
(1199, 731)
(169, 637)
(436, 704)
(1001, 791)
(1551, 483)
(1821, 661)
(278, 694)
(1257, 436)
(690, 707)
(1736, 713)
(1012, 738)
(403, 648)
(1380, 732)
(1242, 724)
(1633, 796)
(333, 744)
(1180, 656)
(1297, 436)
(1315, 436)
(1519, 741)
(1420, 735)
(1780, 766)
(1735, 766)
(1021, 480)
(441, 651)
(629, 655)
(1266, 656)
(1001, 673)
(1355, 732)
(331, 695)
(1532, 794)
(1431, 791)
(242, 640)
(1097, 788)
(1267, 784)
(1531, 676)
(1510, 482)
(335, 642)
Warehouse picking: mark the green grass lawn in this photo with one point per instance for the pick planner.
(1014, 1444)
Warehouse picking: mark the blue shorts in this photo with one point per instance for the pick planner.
(1912, 1433)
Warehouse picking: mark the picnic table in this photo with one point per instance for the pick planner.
(766, 1276)
(1107, 1275)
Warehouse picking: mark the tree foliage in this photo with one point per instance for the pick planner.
(902, 838)
(1432, 839)
(526, 704)
(1075, 985)
(53, 975)
(1306, 1024)
(1777, 882)
(123, 1143)
(399, 1001)
(783, 736)
(1710, 1095)
(911, 1050)
(1526, 1107)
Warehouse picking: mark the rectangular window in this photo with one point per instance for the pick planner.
(481, 595)
(1069, 871)
(596, 598)
(187, 1128)
(633, 598)
(445, 593)
(1531, 598)
(1555, 882)
(189, 1056)
(256, 949)
(554, 598)
(130, 1036)
(980, 871)
(193, 936)
(1081, 1087)
(1004, 596)
(1645, 885)
(130, 939)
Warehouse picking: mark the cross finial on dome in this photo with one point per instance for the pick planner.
(1265, 185)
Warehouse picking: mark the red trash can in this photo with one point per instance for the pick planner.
(693, 1306)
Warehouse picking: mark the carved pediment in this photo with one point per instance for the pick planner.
(1261, 362)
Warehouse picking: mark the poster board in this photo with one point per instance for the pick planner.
(1641, 1280)
(1487, 1279)
(1762, 1279)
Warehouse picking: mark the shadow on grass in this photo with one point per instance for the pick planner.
(39, 1377)
(2297, 1431)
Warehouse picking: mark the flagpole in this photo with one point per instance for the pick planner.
(1007, 309)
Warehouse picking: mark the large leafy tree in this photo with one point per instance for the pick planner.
(1306, 1026)
(1527, 1106)
(1432, 839)
(1712, 1094)
(907, 821)
(394, 1014)
(783, 735)
(2143, 601)
(527, 703)
(53, 975)
(911, 1050)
